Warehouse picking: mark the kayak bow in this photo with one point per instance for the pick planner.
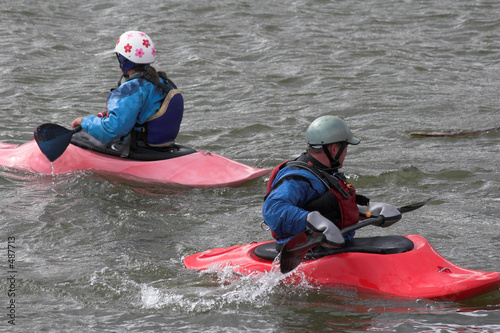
(417, 272)
(197, 169)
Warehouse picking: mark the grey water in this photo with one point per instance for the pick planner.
(97, 253)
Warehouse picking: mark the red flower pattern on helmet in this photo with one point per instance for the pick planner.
(137, 47)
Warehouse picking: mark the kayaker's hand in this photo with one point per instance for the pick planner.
(363, 211)
(362, 200)
(318, 223)
(390, 213)
(77, 122)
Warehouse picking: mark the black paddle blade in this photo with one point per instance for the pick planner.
(53, 139)
(295, 250)
(414, 206)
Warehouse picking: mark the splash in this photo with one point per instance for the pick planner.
(229, 291)
(158, 298)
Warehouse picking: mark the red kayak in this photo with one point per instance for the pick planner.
(405, 267)
(186, 166)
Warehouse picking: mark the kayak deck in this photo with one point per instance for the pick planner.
(418, 273)
(198, 169)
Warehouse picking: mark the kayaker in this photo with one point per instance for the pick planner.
(145, 109)
(310, 192)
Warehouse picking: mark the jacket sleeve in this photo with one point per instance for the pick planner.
(282, 210)
(124, 106)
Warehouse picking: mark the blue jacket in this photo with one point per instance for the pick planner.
(132, 102)
(282, 210)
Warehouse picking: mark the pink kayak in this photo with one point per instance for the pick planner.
(405, 267)
(193, 168)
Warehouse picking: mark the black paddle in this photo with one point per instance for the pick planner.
(296, 248)
(53, 139)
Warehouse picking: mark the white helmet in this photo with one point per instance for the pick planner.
(137, 47)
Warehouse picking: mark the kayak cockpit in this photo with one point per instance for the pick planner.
(139, 152)
(376, 245)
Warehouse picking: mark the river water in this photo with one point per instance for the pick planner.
(100, 254)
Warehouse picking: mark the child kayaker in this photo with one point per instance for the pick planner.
(145, 109)
(313, 183)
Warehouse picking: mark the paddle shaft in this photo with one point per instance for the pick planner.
(372, 220)
(362, 224)
(318, 239)
(291, 258)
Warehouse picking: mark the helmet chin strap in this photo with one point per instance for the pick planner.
(126, 65)
(334, 162)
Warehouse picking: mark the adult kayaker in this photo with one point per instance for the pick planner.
(146, 107)
(310, 192)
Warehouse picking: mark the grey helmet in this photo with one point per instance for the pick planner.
(329, 129)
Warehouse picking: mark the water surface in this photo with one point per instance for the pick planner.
(99, 254)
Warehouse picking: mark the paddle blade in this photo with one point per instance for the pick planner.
(295, 250)
(414, 206)
(53, 139)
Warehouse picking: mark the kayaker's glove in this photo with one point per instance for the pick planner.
(318, 223)
(390, 213)
(362, 200)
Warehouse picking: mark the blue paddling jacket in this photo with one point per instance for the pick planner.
(130, 106)
(296, 191)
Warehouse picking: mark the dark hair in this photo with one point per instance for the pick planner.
(148, 69)
(152, 71)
